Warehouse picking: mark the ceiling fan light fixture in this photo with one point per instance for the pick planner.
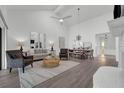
(61, 20)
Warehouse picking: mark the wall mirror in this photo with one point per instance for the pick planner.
(37, 40)
(34, 40)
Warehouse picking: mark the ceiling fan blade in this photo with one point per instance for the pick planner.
(67, 17)
(55, 17)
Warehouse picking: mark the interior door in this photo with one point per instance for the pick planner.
(61, 42)
(0, 48)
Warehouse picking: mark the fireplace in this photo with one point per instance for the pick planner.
(117, 29)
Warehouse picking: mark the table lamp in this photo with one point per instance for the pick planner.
(51, 44)
(20, 44)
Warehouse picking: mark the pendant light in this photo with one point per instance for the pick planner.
(78, 38)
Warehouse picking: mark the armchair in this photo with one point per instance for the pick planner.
(15, 59)
(63, 53)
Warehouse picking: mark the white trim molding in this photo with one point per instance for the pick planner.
(3, 19)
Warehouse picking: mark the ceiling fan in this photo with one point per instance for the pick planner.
(61, 19)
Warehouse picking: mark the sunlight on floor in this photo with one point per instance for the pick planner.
(102, 59)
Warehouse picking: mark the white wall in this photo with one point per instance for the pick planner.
(117, 48)
(21, 23)
(89, 29)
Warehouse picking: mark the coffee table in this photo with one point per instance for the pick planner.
(51, 61)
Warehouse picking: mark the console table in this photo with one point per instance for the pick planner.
(81, 53)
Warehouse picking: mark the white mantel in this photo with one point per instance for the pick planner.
(117, 29)
(116, 26)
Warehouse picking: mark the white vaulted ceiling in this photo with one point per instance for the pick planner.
(87, 12)
(31, 7)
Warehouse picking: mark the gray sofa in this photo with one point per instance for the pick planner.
(39, 54)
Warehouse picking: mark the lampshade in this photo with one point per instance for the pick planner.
(51, 43)
(20, 43)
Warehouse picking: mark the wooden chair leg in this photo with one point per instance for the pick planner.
(10, 70)
(23, 69)
(32, 65)
(92, 57)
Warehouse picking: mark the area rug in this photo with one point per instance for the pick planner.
(38, 74)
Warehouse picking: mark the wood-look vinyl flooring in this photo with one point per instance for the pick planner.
(80, 76)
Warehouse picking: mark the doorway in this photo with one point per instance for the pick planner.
(0, 48)
(105, 44)
(61, 42)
